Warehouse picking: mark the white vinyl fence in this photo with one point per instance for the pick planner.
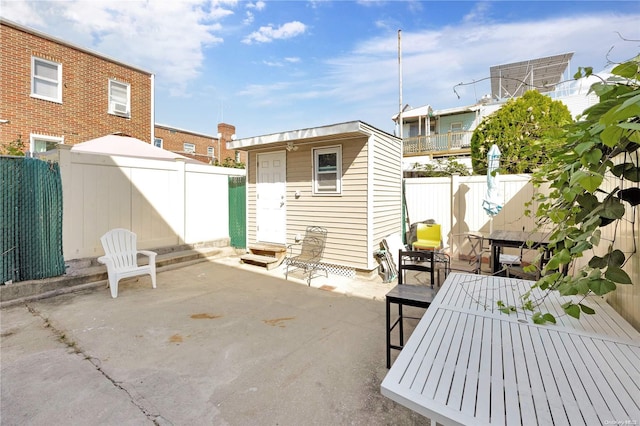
(165, 203)
(456, 203)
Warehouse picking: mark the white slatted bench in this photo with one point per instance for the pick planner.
(468, 363)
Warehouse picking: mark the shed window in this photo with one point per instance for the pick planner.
(327, 170)
(46, 79)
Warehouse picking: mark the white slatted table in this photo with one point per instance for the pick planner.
(468, 363)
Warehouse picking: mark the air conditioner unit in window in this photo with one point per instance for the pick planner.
(118, 108)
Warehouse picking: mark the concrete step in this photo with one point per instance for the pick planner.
(268, 262)
(89, 273)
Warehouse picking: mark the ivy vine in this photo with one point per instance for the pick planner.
(604, 142)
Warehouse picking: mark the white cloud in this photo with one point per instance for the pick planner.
(292, 60)
(268, 33)
(365, 79)
(259, 5)
(154, 39)
(249, 18)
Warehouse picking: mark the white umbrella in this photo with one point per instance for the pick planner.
(492, 202)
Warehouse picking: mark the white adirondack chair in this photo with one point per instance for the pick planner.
(121, 258)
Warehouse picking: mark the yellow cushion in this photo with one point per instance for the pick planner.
(428, 236)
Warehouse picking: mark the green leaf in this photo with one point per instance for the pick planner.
(587, 310)
(572, 310)
(619, 169)
(633, 174)
(611, 136)
(630, 126)
(582, 286)
(634, 100)
(615, 258)
(630, 195)
(583, 147)
(549, 318)
(627, 69)
(612, 208)
(601, 286)
(617, 275)
(587, 180)
(597, 262)
(593, 156)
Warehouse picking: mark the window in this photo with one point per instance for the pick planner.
(237, 156)
(157, 142)
(41, 143)
(210, 151)
(119, 95)
(46, 77)
(189, 147)
(456, 135)
(327, 170)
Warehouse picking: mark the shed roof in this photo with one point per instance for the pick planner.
(329, 132)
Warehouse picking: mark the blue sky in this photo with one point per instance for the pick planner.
(272, 66)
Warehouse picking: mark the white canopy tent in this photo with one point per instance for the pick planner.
(128, 147)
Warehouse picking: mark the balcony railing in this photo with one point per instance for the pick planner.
(451, 143)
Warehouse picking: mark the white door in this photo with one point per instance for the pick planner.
(271, 208)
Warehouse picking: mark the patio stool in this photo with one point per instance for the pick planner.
(419, 296)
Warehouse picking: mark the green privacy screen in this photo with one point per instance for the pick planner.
(31, 219)
(238, 211)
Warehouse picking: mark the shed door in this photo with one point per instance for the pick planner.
(271, 197)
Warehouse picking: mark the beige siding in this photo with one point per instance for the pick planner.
(252, 170)
(344, 216)
(387, 192)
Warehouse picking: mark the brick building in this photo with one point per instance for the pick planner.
(201, 147)
(55, 92)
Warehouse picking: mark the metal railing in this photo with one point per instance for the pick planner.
(444, 143)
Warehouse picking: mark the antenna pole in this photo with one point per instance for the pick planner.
(400, 123)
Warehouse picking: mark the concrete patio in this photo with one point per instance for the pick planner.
(216, 343)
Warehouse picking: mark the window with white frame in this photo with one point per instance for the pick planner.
(210, 151)
(46, 79)
(327, 170)
(237, 156)
(456, 135)
(189, 147)
(157, 142)
(119, 98)
(42, 143)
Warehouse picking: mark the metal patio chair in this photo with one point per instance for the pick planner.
(310, 256)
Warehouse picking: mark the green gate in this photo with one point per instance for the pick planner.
(238, 211)
(30, 219)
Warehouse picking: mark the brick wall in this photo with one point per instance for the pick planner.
(83, 113)
(173, 139)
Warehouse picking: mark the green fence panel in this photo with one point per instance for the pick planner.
(31, 215)
(238, 211)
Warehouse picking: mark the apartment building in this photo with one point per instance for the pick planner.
(202, 147)
(56, 92)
